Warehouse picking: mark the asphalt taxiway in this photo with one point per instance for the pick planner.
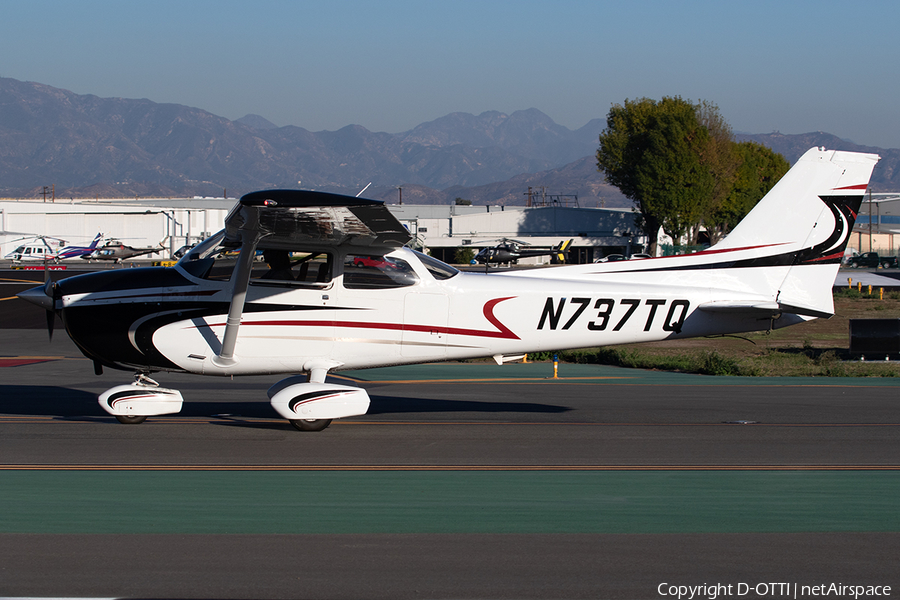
(464, 481)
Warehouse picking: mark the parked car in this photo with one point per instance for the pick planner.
(871, 260)
(610, 258)
(379, 262)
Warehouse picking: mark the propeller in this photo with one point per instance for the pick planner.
(50, 290)
(44, 296)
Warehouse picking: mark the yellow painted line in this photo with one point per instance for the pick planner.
(34, 281)
(573, 381)
(250, 467)
(10, 298)
(586, 380)
(494, 380)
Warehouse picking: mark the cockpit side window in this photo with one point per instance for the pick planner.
(304, 268)
(365, 272)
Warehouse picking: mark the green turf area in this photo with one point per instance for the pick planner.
(37, 501)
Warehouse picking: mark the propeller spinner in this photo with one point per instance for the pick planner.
(45, 297)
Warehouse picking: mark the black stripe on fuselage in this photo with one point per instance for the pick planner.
(828, 252)
(101, 332)
(123, 279)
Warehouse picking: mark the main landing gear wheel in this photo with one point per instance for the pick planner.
(130, 420)
(310, 424)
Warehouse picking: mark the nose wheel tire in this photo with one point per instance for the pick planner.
(130, 420)
(310, 424)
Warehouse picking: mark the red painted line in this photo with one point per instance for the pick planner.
(41, 268)
(18, 362)
(829, 257)
(739, 249)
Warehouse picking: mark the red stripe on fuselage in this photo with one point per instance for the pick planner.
(503, 331)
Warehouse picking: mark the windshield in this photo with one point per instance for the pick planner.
(210, 259)
(439, 270)
(204, 249)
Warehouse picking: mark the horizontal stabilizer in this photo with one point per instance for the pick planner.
(751, 309)
(761, 309)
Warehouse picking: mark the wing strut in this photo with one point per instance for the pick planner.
(240, 281)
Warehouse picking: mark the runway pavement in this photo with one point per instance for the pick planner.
(464, 481)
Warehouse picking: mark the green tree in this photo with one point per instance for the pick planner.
(759, 170)
(664, 157)
(672, 181)
(720, 156)
(463, 256)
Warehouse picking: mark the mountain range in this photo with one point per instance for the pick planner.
(88, 146)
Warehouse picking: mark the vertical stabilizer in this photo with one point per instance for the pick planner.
(808, 218)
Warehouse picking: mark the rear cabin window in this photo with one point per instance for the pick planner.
(283, 267)
(365, 272)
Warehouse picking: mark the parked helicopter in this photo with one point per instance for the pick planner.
(117, 251)
(509, 251)
(46, 248)
(221, 312)
(35, 248)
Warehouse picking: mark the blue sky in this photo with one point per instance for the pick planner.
(788, 66)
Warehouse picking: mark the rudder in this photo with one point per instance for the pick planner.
(809, 215)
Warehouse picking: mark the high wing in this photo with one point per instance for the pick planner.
(286, 218)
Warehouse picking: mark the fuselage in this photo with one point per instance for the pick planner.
(174, 318)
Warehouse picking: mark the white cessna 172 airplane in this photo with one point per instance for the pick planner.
(341, 291)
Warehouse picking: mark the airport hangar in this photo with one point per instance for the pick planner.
(441, 229)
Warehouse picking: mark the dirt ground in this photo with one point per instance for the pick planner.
(811, 348)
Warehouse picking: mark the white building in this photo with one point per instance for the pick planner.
(174, 223)
(138, 223)
(595, 232)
